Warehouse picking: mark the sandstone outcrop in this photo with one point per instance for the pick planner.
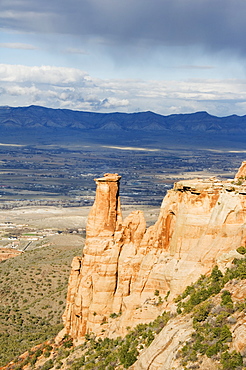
(241, 174)
(129, 274)
(164, 352)
(6, 253)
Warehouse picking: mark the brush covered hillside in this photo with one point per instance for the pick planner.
(205, 331)
(35, 124)
(33, 288)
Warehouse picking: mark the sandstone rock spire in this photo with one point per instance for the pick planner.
(241, 172)
(129, 274)
(93, 278)
(105, 216)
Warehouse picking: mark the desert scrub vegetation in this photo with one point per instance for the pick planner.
(107, 354)
(208, 286)
(212, 320)
(33, 288)
(96, 353)
(31, 357)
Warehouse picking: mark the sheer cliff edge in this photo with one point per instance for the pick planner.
(129, 273)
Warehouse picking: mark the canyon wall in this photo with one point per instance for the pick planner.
(129, 273)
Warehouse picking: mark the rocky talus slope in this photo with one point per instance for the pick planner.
(129, 274)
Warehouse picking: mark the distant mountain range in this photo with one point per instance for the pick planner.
(143, 125)
(36, 116)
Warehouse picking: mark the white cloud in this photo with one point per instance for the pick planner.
(17, 45)
(75, 89)
(17, 90)
(43, 74)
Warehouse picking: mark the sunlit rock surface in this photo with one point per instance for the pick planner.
(129, 274)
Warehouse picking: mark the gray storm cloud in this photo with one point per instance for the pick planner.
(215, 25)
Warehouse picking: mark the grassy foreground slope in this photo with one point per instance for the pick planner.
(33, 289)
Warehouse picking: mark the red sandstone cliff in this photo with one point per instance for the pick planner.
(133, 272)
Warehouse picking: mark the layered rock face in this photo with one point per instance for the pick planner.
(129, 274)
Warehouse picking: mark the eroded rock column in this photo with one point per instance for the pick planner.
(105, 216)
(93, 279)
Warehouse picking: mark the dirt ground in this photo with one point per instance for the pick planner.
(63, 218)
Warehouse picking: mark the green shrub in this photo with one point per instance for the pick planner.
(47, 365)
(62, 353)
(113, 315)
(231, 361)
(78, 363)
(241, 250)
(201, 312)
(212, 333)
(213, 349)
(226, 298)
(216, 274)
(68, 343)
(128, 356)
(220, 318)
(150, 338)
(223, 333)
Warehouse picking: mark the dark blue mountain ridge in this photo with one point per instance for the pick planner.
(35, 125)
(37, 116)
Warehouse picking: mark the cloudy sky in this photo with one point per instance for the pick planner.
(168, 56)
